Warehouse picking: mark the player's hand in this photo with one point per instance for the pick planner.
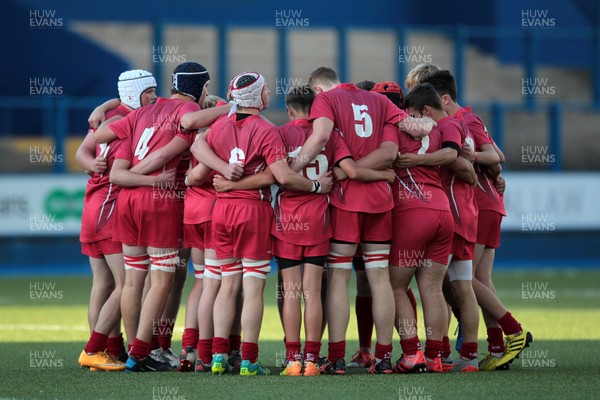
(326, 182)
(389, 175)
(467, 152)
(221, 184)
(500, 184)
(339, 174)
(100, 165)
(407, 160)
(96, 118)
(234, 171)
(165, 176)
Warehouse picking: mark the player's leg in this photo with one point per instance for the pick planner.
(363, 306)
(412, 359)
(339, 268)
(189, 340)
(376, 236)
(291, 275)
(95, 354)
(495, 314)
(430, 277)
(376, 266)
(430, 281)
(211, 285)
(115, 343)
(488, 239)
(518, 338)
(225, 219)
(255, 276)
(460, 275)
(102, 286)
(483, 263)
(224, 311)
(169, 316)
(164, 262)
(313, 312)
(137, 262)
(110, 315)
(235, 336)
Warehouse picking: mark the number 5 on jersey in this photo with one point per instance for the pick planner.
(364, 127)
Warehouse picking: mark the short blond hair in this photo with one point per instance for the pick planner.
(416, 74)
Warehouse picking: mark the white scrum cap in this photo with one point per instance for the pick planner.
(132, 84)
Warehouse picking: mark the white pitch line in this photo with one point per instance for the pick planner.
(31, 327)
(56, 328)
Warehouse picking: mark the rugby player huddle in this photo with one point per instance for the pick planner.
(398, 186)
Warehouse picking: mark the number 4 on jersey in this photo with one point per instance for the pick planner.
(142, 147)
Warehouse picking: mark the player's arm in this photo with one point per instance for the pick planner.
(104, 134)
(294, 181)
(159, 158)
(417, 127)
(122, 176)
(205, 154)
(500, 153)
(487, 156)
(256, 181)
(99, 114)
(86, 156)
(353, 171)
(203, 118)
(197, 175)
(443, 156)
(380, 158)
(463, 169)
(321, 133)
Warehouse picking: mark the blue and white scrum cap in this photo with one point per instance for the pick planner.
(189, 79)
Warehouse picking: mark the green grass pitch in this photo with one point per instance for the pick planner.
(43, 327)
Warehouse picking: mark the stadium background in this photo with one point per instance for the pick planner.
(531, 69)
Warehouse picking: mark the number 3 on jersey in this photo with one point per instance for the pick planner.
(364, 127)
(142, 147)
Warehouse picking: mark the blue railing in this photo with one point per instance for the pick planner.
(55, 110)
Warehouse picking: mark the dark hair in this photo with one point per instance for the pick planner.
(300, 98)
(395, 98)
(423, 95)
(245, 80)
(443, 82)
(323, 74)
(365, 85)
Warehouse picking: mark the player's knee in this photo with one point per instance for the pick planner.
(376, 259)
(166, 261)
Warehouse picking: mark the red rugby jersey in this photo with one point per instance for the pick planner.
(101, 195)
(420, 186)
(153, 127)
(486, 195)
(303, 218)
(253, 141)
(460, 194)
(365, 120)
